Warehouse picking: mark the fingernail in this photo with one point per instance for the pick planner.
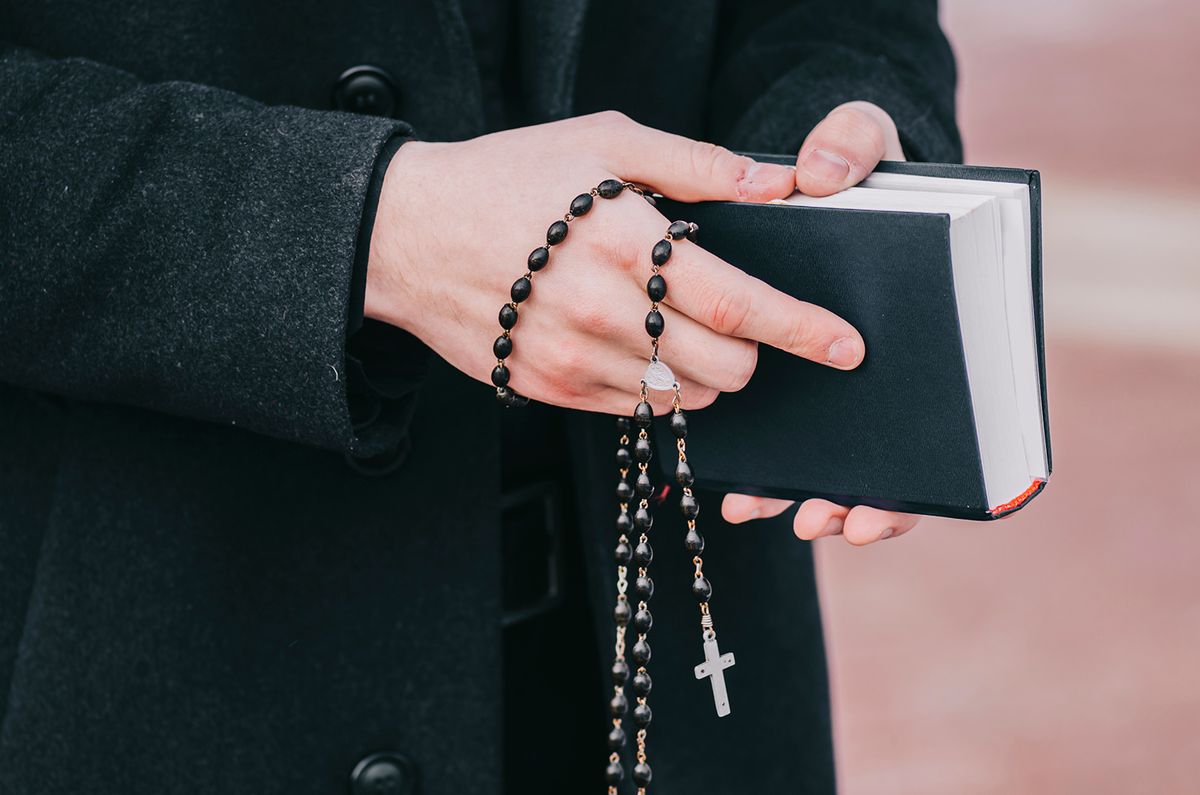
(832, 527)
(760, 175)
(887, 533)
(844, 352)
(826, 166)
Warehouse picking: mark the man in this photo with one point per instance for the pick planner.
(256, 537)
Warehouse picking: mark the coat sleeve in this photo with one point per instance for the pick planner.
(180, 248)
(784, 65)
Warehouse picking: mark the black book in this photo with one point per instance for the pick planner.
(939, 268)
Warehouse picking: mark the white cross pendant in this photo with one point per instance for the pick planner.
(714, 666)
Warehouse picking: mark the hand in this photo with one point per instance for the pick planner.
(457, 221)
(840, 151)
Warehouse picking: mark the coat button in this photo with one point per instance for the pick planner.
(365, 89)
(385, 773)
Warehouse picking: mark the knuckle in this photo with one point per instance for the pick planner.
(708, 160)
(857, 129)
(611, 119)
(800, 337)
(728, 312)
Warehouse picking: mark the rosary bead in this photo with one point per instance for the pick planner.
(508, 316)
(614, 774)
(642, 774)
(643, 485)
(642, 450)
(689, 506)
(624, 523)
(643, 415)
(538, 258)
(683, 474)
(557, 233)
(616, 741)
(644, 588)
(701, 589)
(641, 651)
(678, 230)
(679, 425)
(694, 542)
(624, 425)
(622, 612)
(521, 289)
(500, 375)
(610, 188)
(624, 492)
(642, 621)
(693, 232)
(624, 458)
(656, 288)
(643, 553)
(661, 252)
(643, 519)
(623, 554)
(620, 673)
(502, 347)
(619, 705)
(581, 204)
(650, 200)
(654, 323)
(642, 715)
(642, 683)
(509, 398)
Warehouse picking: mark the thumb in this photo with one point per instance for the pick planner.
(689, 170)
(845, 147)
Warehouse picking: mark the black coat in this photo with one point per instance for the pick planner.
(203, 588)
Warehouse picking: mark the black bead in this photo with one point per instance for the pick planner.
(624, 523)
(643, 415)
(701, 589)
(614, 774)
(694, 542)
(679, 425)
(654, 323)
(510, 399)
(642, 715)
(693, 233)
(502, 347)
(642, 684)
(500, 375)
(643, 553)
(689, 506)
(624, 458)
(620, 672)
(650, 200)
(557, 233)
(643, 519)
(644, 588)
(624, 425)
(642, 450)
(624, 492)
(683, 474)
(581, 204)
(610, 188)
(641, 651)
(521, 289)
(656, 288)
(678, 230)
(538, 258)
(642, 621)
(661, 252)
(623, 554)
(618, 706)
(508, 316)
(622, 612)
(616, 741)
(642, 774)
(643, 485)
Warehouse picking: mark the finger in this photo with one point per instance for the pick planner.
(738, 508)
(818, 518)
(845, 147)
(689, 170)
(696, 353)
(866, 525)
(731, 302)
(621, 402)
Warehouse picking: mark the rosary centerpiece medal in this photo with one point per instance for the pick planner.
(634, 490)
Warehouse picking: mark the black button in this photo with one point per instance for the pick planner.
(365, 89)
(385, 773)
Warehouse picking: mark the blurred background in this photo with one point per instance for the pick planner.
(1058, 651)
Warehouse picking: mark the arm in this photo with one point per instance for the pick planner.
(179, 247)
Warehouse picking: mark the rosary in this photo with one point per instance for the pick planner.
(658, 376)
